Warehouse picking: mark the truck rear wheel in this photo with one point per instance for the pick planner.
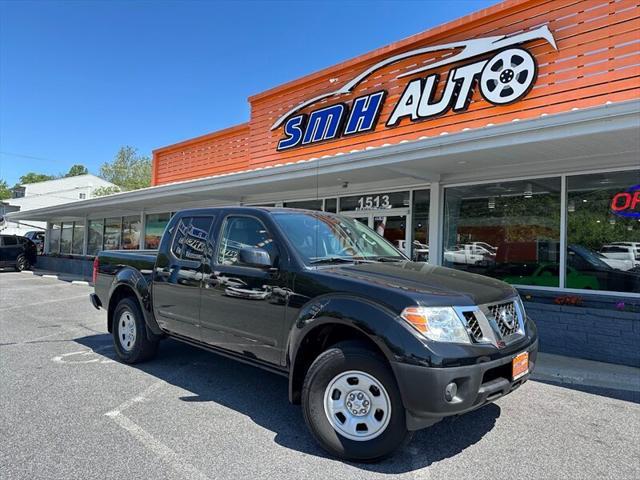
(352, 405)
(130, 334)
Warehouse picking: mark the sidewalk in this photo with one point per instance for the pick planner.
(577, 371)
(65, 277)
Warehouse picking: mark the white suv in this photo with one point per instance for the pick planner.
(634, 245)
(619, 256)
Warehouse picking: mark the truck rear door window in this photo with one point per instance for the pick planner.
(191, 238)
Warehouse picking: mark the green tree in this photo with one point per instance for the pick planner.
(128, 170)
(33, 177)
(76, 170)
(5, 191)
(104, 191)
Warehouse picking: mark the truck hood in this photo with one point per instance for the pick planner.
(427, 283)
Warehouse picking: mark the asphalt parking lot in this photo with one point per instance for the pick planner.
(68, 410)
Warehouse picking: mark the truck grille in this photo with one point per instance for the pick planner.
(506, 317)
(473, 326)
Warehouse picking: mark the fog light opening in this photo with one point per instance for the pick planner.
(450, 391)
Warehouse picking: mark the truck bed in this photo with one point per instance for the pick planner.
(139, 259)
(113, 261)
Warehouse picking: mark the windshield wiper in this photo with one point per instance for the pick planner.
(317, 261)
(372, 259)
(386, 259)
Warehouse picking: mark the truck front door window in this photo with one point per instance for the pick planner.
(239, 233)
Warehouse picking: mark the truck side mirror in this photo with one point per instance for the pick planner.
(254, 257)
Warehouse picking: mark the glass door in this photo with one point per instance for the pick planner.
(393, 228)
(390, 224)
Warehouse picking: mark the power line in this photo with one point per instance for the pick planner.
(22, 155)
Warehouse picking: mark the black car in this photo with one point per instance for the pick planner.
(375, 346)
(17, 252)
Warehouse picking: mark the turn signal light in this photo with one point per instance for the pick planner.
(440, 324)
(416, 317)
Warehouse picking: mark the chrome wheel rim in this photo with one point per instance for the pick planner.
(357, 405)
(22, 263)
(127, 330)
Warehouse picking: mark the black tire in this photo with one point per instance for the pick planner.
(22, 263)
(141, 349)
(341, 358)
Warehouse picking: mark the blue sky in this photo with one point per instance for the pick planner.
(80, 79)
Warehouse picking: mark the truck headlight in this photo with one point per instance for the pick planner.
(440, 324)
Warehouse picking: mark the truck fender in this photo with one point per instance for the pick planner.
(362, 317)
(134, 281)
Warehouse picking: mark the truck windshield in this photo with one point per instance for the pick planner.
(326, 238)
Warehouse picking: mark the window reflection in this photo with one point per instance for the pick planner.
(603, 231)
(131, 227)
(506, 230)
(154, 228)
(66, 237)
(54, 238)
(305, 204)
(94, 244)
(112, 233)
(420, 244)
(78, 238)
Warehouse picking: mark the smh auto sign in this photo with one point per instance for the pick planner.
(504, 77)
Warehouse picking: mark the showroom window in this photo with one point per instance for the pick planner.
(420, 239)
(131, 229)
(54, 238)
(305, 204)
(506, 230)
(331, 205)
(78, 238)
(154, 226)
(603, 231)
(96, 228)
(66, 237)
(112, 233)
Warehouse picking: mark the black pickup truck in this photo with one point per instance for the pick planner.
(374, 346)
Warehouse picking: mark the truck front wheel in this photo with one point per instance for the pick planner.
(352, 405)
(129, 333)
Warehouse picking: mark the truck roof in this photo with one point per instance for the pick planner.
(256, 208)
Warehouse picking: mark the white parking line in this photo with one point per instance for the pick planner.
(163, 452)
(141, 397)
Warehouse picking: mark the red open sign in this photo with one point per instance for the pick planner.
(626, 203)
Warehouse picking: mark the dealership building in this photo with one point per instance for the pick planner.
(505, 143)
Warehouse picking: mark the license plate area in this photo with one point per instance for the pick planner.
(520, 365)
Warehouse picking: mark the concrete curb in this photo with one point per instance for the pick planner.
(27, 272)
(63, 277)
(577, 371)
